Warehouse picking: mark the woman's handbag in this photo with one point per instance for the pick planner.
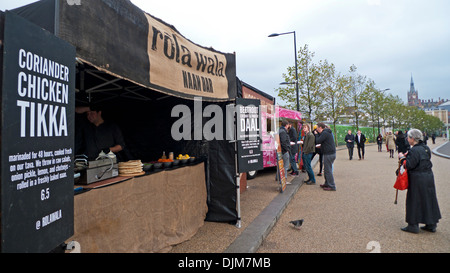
(402, 178)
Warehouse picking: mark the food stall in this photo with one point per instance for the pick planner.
(139, 69)
(271, 117)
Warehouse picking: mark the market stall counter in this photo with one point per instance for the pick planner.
(142, 214)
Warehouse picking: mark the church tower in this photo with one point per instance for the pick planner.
(413, 95)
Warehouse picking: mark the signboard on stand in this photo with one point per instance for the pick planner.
(248, 122)
(37, 138)
(281, 172)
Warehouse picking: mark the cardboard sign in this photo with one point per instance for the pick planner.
(37, 133)
(280, 164)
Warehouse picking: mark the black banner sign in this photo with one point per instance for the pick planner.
(37, 138)
(250, 156)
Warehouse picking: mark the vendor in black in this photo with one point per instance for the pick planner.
(98, 135)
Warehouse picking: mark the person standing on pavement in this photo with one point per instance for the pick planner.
(293, 136)
(401, 141)
(380, 142)
(390, 144)
(421, 200)
(308, 151)
(360, 143)
(318, 151)
(328, 147)
(425, 138)
(285, 144)
(350, 141)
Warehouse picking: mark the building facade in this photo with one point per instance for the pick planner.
(413, 99)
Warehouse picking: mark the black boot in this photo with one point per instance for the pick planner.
(430, 228)
(411, 228)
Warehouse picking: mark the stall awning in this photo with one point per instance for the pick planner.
(118, 38)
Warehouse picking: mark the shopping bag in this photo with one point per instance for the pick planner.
(401, 183)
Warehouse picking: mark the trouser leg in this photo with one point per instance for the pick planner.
(293, 163)
(286, 162)
(308, 168)
(328, 161)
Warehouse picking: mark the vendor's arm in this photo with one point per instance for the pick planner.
(118, 140)
(116, 149)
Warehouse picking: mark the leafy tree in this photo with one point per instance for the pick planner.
(356, 95)
(333, 94)
(309, 85)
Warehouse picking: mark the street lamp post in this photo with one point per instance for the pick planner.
(296, 65)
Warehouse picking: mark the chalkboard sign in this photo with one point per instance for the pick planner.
(37, 138)
(250, 156)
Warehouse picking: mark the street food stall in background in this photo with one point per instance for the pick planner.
(139, 68)
(271, 117)
(267, 105)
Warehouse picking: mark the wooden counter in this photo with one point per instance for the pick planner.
(143, 214)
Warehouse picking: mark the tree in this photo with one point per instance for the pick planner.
(356, 93)
(333, 94)
(309, 85)
(368, 105)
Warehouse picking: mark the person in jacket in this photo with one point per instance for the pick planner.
(360, 140)
(421, 200)
(390, 144)
(400, 141)
(350, 142)
(318, 151)
(308, 150)
(285, 145)
(328, 148)
(293, 137)
(380, 142)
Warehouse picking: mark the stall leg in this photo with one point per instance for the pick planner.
(238, 191)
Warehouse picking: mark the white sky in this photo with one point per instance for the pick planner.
(388, 40)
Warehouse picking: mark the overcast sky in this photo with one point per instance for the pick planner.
(388, 40)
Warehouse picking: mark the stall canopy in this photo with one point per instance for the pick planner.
(124, 56)
(117, 37)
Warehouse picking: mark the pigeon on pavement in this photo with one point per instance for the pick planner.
(297, 223)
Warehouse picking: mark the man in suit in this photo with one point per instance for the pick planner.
(360, 140)
(350, 141)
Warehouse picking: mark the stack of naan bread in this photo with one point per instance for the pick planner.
(131, 168)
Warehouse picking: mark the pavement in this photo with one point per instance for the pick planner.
(443, 150)
(359, 217)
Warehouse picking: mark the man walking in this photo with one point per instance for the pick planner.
(329, 155)
(360, 143)
(350, 141)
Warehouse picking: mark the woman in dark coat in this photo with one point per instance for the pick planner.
(401, 142)
(421, 200)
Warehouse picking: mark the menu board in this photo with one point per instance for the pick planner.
(248, 122)
(37, 138)
(281, 172)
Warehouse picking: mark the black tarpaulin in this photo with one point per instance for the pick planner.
(146, 127)
(112, 36)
